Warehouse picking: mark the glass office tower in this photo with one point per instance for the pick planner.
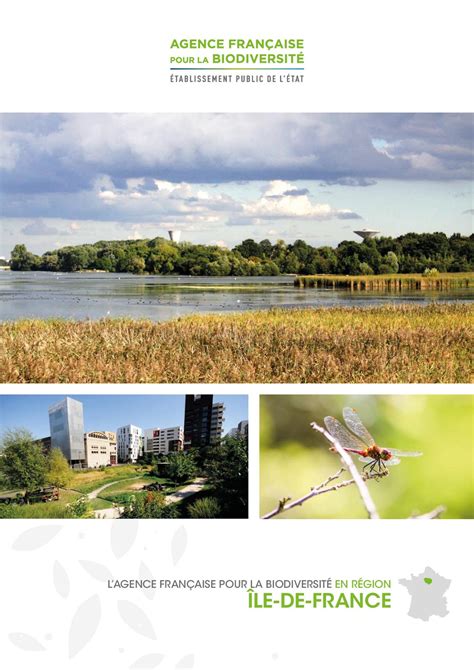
(66, 421)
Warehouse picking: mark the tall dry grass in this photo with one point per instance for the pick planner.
(403, 344)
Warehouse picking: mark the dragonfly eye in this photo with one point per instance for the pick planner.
(386, 455)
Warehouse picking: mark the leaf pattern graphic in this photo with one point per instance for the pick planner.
(61, 580)
(178, 544)
(123, 535)
(186, 662)
(144, 573)
(136, 618)
(25, 642)
(148, 661)
(84, 624)
(36, 537)
(97, 570)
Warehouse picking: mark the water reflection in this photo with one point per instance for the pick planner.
(95, 296)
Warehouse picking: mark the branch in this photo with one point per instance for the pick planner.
(358, 479)
(284, 504)
(434, 514)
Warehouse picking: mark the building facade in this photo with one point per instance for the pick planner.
(129, 443)
(66, 422)
(241, 430)
(217, 422)
(100, 448)
(163, 440)
(203, 421)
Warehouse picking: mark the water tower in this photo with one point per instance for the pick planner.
(367, 233)
(175, 235)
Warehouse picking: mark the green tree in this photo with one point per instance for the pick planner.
(389, 264)
(365, 269)
(181, 466)
(22, 259)
(59, 473)
(227, 472)
(22, 462)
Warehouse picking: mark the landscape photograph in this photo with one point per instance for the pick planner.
(123, 457)
(234, 248)
(358, 456)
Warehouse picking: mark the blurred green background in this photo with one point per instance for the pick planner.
(294, 457)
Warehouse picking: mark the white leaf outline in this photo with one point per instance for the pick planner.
(84, 624)
(35, 537)
(61, 580)
(96, 570)
(25, 642)
(136, 619)
(178, 544)
(122, 535)
(147, 662)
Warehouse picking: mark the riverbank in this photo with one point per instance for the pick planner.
(403, 344)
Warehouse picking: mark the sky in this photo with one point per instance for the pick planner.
(69, 179)
(109, 412)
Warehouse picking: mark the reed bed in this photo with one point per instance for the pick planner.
(401, 344)
(443, 281)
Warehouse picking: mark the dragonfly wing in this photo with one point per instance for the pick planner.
(342, 435)
(392, 461)
(365, 459)
(396, 452)
(355, 424)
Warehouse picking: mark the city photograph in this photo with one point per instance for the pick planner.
(124, 456)
(366, 457)
(236, 248)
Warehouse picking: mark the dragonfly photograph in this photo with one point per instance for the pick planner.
(332, 456)
(361, 442)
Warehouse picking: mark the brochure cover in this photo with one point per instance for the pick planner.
(236, 310)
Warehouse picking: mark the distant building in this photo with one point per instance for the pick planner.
(203, 421)
(100, 448)
(163, 440)
(129, 443)
(241, 430)
(367, 233)
(175, 235)
(44, 443)
(66, 422)
(217, 422)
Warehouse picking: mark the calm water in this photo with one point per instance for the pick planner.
(95, 296)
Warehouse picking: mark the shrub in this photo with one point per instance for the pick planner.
(206, 508)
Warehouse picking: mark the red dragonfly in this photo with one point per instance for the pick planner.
(361, 442)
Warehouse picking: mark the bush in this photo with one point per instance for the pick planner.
(149, 506)
(206, 508)
(431, 272)
(79, 509)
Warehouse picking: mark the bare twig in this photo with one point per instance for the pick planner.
(434, 514)
(358, 479)
(284, 505)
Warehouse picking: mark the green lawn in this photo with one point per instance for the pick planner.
(134, 486)
(88, 481)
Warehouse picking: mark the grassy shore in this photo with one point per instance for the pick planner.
(402, 344)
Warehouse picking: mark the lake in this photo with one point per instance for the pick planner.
(85, 295)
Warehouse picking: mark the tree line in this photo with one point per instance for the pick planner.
(412, 252)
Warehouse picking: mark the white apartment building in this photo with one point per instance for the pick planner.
(163, 440)
(129, 443)
(100, 448)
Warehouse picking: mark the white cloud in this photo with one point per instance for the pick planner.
(274, 204)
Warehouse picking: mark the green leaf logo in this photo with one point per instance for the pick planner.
(428, 580)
